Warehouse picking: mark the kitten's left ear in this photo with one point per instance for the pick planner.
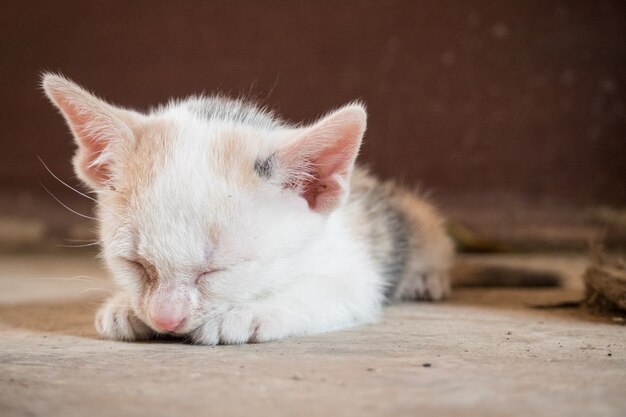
(319, 159)
(101, 130)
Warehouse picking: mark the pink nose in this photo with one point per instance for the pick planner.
(168, 323)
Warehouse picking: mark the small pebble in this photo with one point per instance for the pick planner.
(296, 377)
(426, 365)
(609, 354)
(370, 369)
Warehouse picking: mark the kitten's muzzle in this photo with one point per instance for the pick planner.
(168, 310)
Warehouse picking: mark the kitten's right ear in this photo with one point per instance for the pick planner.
(318, 160)
(100, 129)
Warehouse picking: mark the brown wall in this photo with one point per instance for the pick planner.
(521, 98)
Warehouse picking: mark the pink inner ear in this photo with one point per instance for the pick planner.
(99, 173)
(101, 130)
(323, 189)
(90, 146)
(322, 194)
(93, 130)
(321, 162)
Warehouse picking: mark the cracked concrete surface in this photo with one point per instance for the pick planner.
(485, 352)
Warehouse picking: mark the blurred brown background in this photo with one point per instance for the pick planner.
(513, 114)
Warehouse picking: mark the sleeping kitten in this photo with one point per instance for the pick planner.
(223, 224)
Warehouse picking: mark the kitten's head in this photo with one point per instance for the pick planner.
(205, 203)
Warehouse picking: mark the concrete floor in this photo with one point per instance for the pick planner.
(485, 352)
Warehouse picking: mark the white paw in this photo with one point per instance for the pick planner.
(239, 326)
(116, 320)
(432, 286)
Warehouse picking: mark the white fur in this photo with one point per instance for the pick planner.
(278, 266)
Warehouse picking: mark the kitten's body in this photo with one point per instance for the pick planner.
(223, 224)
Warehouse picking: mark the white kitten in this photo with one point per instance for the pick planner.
(221, 223)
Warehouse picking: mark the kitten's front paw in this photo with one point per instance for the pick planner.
(239, 326)
(116, 320)
(432, 286)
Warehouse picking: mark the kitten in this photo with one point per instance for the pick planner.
(223, 224)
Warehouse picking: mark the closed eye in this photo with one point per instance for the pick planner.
(140, 268)
(209, 273)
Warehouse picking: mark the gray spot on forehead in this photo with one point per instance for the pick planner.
(264, 167)
(232, 110)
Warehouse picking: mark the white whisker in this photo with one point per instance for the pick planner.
(78, 246)
(70, 187)
(83, 292)
(61, 203)
(85, 278)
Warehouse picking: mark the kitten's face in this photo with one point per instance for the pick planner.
(205, 204)
(202, 225)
